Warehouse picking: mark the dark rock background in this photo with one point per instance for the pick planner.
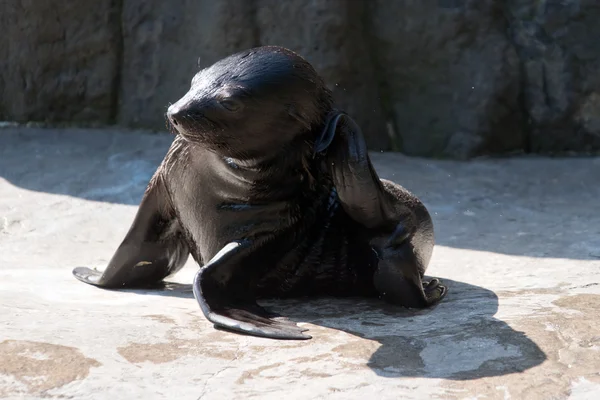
(59, 60)
(445, 78)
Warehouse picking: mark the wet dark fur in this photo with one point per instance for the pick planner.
(324, 253)
(320, 238)
(271, 189)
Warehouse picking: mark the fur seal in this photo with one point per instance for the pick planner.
(272, 192)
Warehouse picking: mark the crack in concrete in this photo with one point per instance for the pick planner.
(220, 371)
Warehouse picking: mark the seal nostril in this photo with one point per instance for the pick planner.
(173, 113)
(173, 117)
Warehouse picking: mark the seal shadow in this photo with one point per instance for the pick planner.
(459, 339)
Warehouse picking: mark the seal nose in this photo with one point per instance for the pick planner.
(175, 113)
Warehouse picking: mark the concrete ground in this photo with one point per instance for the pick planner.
(518, 242)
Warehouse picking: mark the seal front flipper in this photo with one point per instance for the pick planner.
(359, 189)
(222, 290)
(87, 275)
(153, 249)
(399, 225)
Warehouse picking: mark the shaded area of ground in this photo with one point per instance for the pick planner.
(490, 205)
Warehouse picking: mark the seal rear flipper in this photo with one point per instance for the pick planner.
(387, 210)
(221, 289)
(398, 280)
(153, 249)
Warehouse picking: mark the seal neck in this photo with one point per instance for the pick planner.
(288, 172)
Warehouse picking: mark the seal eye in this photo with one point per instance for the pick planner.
(230, 104)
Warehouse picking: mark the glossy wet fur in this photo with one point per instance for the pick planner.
(225, 108)
(272, 192)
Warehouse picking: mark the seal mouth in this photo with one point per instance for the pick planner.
(192, 126)
(175, 129)
(199, 130)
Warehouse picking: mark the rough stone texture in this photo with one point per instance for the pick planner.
(331, 35)
(445, 78)
(163, 40)
(452, 76)
(560, 52)
(59, 60)
(518, 244)
(162, 44)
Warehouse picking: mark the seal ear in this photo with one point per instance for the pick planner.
(328, 133)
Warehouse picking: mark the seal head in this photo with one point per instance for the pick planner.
(252, 103)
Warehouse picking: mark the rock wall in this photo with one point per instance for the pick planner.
(162, 43)
(558, 43)
(59, 60)
(445, 78)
